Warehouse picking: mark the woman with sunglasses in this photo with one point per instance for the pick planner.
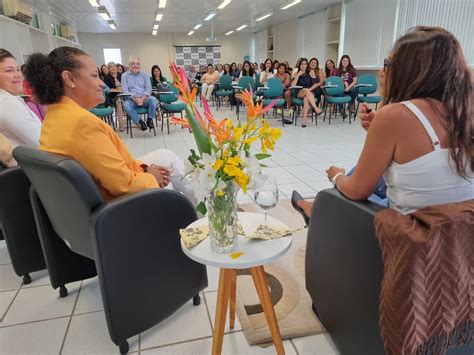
(420, 141)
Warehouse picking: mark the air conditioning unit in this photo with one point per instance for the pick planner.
(17, 10)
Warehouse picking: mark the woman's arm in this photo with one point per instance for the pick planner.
(287, 81)
(374, 160)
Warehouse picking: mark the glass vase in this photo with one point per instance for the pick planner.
(222, 215)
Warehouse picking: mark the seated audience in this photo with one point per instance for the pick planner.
(192, 74)
(208, 82)
(295, 69)
(235, 72)
(104, 70)
(113, 81)
(120, 69)
(330, 68)
(318, 76)
(286, 81)
(199, 73)
(220, 70)
(304, 79)
(267, 73)
(30, 98)
(276, 64)
(348, 75)
(227, 70)
(256, 68)
(17, 122)
(288, 68)
(137, 83)
(70, 129)
(157, 77)
(247, 70)
(420, 141)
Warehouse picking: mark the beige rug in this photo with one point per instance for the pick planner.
(290, 299)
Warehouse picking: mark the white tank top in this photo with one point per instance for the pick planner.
(428, 180)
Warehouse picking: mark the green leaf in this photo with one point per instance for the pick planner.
(262, 156)
(201, 208)
(200, 135)
(263, 165)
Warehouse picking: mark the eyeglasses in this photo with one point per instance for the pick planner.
(386, 63)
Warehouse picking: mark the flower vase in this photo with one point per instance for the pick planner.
(222, 215)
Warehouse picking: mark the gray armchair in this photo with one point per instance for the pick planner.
(344, 271)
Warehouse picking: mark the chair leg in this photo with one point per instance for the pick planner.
(197, 300)
(26, 279)
(62, 291)
(163, 120)
(124, 347)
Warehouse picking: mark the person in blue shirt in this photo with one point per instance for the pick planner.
(137, 83)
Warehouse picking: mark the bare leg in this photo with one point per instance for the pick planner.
(302, 95)
(311, 101)
(306, 206)
(288, 98)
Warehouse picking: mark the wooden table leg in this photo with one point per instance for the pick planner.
(233, 294)
(261, 284)
(221, 311)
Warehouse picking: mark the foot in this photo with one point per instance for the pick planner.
(303, 126)
(143, 125)
(149, 123)
(295, 200)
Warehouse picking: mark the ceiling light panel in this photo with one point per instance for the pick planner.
(223, 4)
(290, 4)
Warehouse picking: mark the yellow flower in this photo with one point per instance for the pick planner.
(275, 133)
(218, 164)
(220, 193)
(232, 170)
(238, 133)
(242, 180)
(234, 161)
(250, 140)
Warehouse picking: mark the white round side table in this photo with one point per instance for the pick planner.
(256, 253)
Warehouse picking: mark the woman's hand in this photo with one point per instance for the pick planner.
(366, 116)
(332, 171)
(161, 174)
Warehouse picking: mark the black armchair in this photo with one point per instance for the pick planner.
(18, 223)
(344, 271)
(133, 241)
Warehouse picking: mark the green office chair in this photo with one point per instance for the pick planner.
(104, 112)
(170, 105)
(274, 92)
(225, 90)
(367, 84)
(335, 95)
(245, 83)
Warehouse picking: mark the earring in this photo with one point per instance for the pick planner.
(73, 86)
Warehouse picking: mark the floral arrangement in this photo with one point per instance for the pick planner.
(224, 148)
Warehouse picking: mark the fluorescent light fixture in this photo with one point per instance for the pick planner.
(198, 26)
(241, 27)
(112, 25)
(159, 16)
(223, 4)
(162, 4)
(154, 32)
(210, 15)
(190, 33)
(94, 3)
(229, 33)
(155, 26)
(290, 4)
(263, 16)
(104, 13)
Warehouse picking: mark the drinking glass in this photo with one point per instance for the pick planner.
(266, 197)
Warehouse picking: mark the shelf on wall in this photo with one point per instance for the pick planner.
(335, 19)
(333, 42)
(8, 19)
(270, 51)
(66, 40)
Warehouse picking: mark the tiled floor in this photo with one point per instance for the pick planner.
(35, 320)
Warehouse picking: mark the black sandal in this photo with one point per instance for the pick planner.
(295, 197)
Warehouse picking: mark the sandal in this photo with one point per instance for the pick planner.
(295, 197)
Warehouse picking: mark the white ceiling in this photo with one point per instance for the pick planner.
(179, 15)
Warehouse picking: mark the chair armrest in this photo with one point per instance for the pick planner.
(363, 85)
(329, 86)
(295, 87)
(344, 270)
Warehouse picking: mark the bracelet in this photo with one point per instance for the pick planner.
(334, 182)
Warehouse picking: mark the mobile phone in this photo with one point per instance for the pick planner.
(369, 110)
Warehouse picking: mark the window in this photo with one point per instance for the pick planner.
(112, 55)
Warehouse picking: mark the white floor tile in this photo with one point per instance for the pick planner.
(189, 322)
(212, 278)
(34, 338)
(302, 188)
(298, 169)
(6, 298)
(88, 334)
(8, 279)
(90, 299)
(4, 257)
(316, 344)
(40, 303)
(234, 343)
(211, 299)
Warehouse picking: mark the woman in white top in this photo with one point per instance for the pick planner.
(267, 73)
(220, 70)
(247, 70)
(421, 139)
(17, 122)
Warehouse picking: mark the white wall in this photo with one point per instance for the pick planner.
(312, 36)
(285, 43)
(159, 49)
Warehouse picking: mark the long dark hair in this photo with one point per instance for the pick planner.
(154, 82)
(349, 66)
(415, 58)
(316, 70)
(326, 69)
(265, 65)
(227, 72)
(43, 72)
(249, 72)
(301, 60)
(101, 71)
